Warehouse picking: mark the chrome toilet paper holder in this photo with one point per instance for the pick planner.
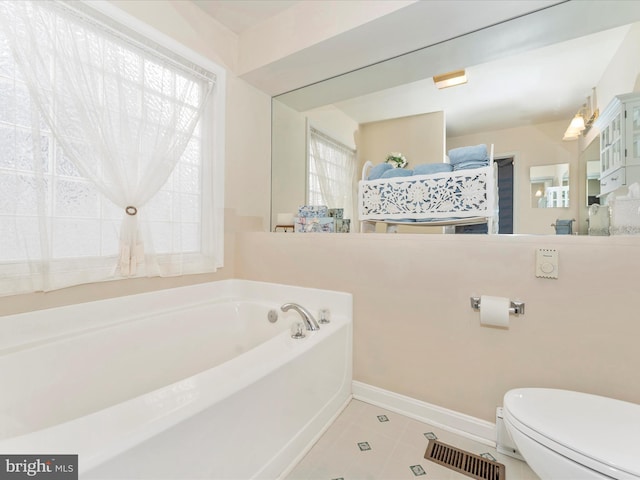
(517, 308)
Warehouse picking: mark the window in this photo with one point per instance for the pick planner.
(332, 173)
(109, 158)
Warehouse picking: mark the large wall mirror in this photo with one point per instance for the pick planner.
(519, 98)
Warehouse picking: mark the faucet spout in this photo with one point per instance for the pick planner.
(307, 318)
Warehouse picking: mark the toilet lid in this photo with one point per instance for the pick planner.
(598, 432)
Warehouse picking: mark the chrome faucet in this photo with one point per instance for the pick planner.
(307, 318)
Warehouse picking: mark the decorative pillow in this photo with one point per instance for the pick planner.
(377, 171)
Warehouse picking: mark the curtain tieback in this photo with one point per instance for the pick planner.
(131, 210)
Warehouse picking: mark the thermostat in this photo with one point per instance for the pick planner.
(547, 263)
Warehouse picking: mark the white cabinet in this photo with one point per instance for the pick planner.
(619, 126)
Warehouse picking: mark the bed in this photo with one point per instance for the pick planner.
(466, 195)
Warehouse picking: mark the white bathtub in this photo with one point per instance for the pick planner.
(184, 383)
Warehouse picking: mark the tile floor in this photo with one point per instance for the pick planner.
(369, 442)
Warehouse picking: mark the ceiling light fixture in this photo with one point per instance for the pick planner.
(450, 79)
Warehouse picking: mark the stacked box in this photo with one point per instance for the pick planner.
(313, 211)
(336, 213)
(343, 225)
(319, 218)
(314, 219)
(315, 225)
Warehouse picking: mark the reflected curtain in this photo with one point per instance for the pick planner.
(333, 168)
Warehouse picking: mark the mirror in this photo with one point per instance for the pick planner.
(550, 186)
(593, 182)
(554, 66)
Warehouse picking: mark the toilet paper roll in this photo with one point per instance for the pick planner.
(494, 311)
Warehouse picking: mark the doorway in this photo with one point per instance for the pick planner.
(505, 200)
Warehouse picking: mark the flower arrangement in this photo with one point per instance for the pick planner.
(397, 160)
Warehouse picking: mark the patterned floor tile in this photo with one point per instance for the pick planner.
(367, 442)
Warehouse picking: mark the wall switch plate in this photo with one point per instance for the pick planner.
(547, 263)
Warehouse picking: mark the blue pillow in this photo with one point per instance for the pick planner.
(377, 171)
(464, 154)
(428, 168)
(397, 172)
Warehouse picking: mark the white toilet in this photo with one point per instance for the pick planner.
(570, 435)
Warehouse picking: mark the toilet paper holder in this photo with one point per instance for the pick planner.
(517, 308)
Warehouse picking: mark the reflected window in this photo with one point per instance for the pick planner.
(331, 173)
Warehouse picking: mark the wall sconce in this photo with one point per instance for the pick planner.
(576, 127)
(450, 79)
(583, 120)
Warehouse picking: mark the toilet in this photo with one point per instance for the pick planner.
(570, 435)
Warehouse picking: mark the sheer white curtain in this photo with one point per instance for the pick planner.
(123, 115)
(332, 173)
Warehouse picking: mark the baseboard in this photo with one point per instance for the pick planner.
(452, 421)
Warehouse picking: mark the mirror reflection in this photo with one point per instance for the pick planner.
(520, 102)
(550, 186)
(593, 182)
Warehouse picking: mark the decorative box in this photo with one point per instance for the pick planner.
(336, 212)
(315, 225)
(313, 211)
(343, 225)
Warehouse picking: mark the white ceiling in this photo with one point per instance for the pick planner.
(239, 15)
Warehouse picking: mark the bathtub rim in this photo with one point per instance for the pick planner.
(30, 329)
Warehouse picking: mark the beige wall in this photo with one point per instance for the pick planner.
(539, 144)
(416, 334)
(419, 137)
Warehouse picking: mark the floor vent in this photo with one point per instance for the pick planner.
(469, 464)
